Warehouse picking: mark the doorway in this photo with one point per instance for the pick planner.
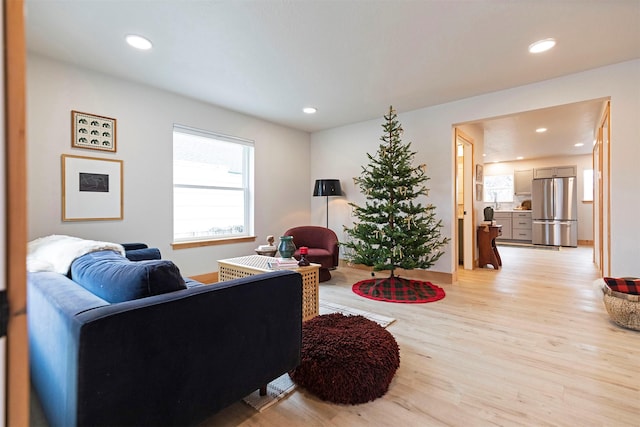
(465, 238)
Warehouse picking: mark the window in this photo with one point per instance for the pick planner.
(587, 188)
(498, 188)
(212, 185)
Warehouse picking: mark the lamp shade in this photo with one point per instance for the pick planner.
(327, 187)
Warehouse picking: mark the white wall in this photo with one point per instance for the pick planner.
(585, 210)
(340, 152)
(145, 117)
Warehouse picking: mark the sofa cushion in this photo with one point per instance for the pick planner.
(114, 278)
(143, 254)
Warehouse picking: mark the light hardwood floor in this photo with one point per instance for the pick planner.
(530, 344)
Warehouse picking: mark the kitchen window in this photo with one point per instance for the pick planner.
(498, 188)
(212, 185)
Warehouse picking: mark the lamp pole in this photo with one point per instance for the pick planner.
(327, 197)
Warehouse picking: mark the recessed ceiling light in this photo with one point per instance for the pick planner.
(542, 45)
(484, 154)
(519, 158)
(138, 42)
(541, 130)
(579, 144)
(309, 110)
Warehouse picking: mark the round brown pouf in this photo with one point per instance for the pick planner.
(346, 359)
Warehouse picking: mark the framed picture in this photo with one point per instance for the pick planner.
(479, 174)
(479, 191)
(91, 188)
(93, 132)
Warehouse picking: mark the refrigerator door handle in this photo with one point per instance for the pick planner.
(553, 198)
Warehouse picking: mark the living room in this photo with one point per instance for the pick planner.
(288, 160)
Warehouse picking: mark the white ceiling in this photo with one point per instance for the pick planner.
(349, 59)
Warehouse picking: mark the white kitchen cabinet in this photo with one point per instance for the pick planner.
(515, 225)
(544, 172)
(522, 182)
(521, 226)
(505, 220)
(555, 172)
(564, 171)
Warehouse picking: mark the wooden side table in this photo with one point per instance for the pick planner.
(233, 268)
(487, 250)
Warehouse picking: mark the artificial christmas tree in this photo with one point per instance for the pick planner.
(393, 229)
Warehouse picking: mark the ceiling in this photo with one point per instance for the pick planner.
(349, 59)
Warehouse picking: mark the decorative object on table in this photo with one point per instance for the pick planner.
(488, 213)
(266, 250)
(322, 244)
(269, 249)
(346, 359)
(91, 188)
(93, 132)
(286, 247)
(621, 297)
(283, 264)
(303, 257)
(396, 289)
(327, 188)
(393, 229)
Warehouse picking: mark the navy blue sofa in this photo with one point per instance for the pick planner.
(168, 359)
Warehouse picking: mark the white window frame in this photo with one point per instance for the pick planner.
(247, 183)
(508, 195)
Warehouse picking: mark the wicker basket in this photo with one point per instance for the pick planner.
(624, 309)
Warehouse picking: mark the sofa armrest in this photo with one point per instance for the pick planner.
(53, 302)
(177, 358)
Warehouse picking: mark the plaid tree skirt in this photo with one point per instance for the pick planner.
(396, 289)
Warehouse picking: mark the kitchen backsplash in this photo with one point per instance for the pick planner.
(517, 201)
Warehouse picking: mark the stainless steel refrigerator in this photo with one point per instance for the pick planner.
(554, 209)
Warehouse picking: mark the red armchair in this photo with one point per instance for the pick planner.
(323, 247)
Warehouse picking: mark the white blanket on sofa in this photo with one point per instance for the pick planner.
(57, 252)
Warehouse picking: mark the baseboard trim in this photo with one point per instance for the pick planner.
(435, 276)
(207, 278)
(585, 242)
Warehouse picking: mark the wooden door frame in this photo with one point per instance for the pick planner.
(15, 53)
(459, 134)
(603, 230)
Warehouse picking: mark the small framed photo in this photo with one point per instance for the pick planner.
(91, 189)
(479, 191)
(93, 132)
(479, 174)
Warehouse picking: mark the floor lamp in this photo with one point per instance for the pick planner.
(327, 187)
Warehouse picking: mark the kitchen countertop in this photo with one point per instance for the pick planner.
(512, 210)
